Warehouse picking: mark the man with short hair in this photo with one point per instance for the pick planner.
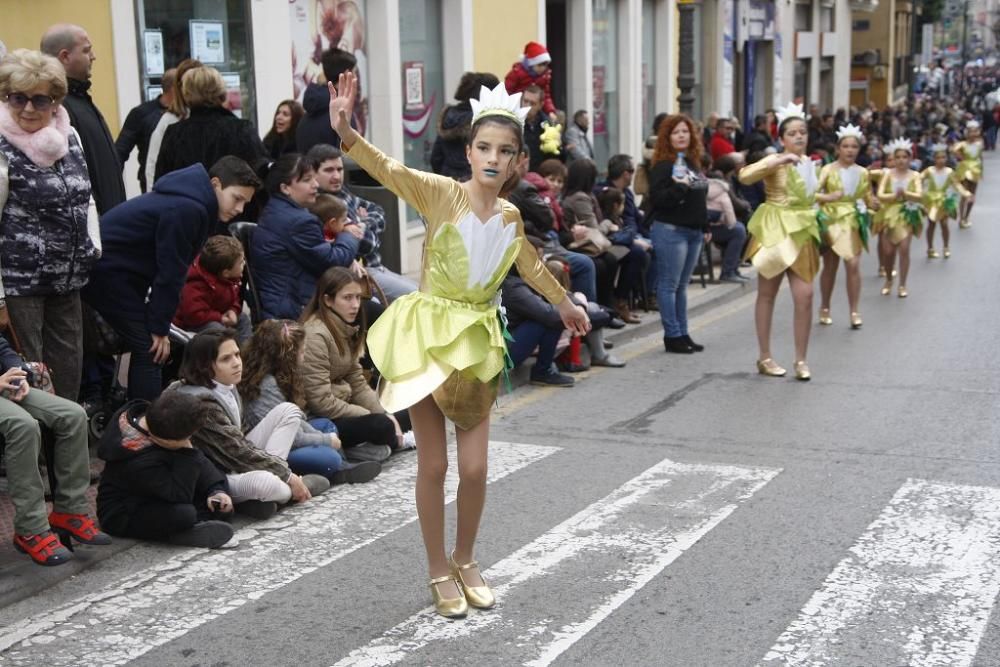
(71, 45)
(314, 128)
(621, 170)
(329, 165)
(576, 140)
(149, 245)
(532, 98)
(722, 140)
(140, 124)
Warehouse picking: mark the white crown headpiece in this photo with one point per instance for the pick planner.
(939, 148)
(792, 110)
(972, 125)
(899, 145)
(497, 102)
(850, 130)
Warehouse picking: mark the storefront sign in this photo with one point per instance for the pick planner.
(208, 42)
(152, 41)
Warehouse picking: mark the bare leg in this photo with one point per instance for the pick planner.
(432, 466)
(883, 255)
(827, 279)
(802, 297)
(473, 450)
(966, 205)
(889, 261)
(945, 233)
(767, 290)
(931, 225)
(853, 268)
(904, 260)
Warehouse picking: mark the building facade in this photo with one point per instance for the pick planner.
(885, 51)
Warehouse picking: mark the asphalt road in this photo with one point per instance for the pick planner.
(683, 511)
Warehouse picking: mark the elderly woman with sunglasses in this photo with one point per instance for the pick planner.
(49, 237)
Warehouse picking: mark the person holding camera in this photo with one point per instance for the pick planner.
(23, 411)
(156, 485)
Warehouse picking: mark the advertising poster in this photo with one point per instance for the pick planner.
(208, 42)
(413, 77)
(599, 123)
(152, 42)
(318, 25)
(234, 101)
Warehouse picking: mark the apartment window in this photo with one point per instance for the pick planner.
(803, 17)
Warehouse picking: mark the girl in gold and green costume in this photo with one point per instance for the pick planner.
(942, 189)
(900, 218)
(441, 350)
(785, 238)
(970, 166)
(845, 192)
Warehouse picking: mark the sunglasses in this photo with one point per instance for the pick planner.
(39, 102)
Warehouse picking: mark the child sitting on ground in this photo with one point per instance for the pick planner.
(156, 485)
(271, 376)
(211, 297)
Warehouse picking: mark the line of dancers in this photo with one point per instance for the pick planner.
(829, 215)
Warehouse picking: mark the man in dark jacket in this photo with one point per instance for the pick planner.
(140, 124)
(71, 45)
(156, 485)
(149, 244)
(314, 128)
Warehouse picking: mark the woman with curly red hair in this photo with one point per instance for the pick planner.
(678, 190)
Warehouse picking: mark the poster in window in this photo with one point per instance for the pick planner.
(152, 43)
(152, 92)
(317, 25)
(413, 83)
(234, 98)
(208, 42)
(600, 113)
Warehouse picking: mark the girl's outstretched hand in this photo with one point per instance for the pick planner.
(342, 99)
(574, 317)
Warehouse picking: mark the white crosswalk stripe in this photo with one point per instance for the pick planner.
(617, 545)
(166, 601)
(917, 588)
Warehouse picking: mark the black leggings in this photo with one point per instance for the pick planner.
(606, 268)
(374, 428)
(153, 520)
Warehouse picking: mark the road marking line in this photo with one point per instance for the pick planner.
(917, 588)
(607, 552)
(166, 601)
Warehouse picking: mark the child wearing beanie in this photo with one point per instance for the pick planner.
(534, 68)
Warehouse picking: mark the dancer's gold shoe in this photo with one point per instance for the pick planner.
(802, 371)
(947, 252)
(449, 607)
(480, 597)
(769, 367)
(965, 224)
(932, 253)
(887, 288)
(881, 272)
(824, 316)
(902, 292)
(856, 321)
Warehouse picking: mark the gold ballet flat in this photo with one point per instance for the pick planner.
(881, 272)
(887, 288)
(932, 253)
(802, 371)
(449, 607)
(902, 292)
(480, 597)
(824, 316)
(769, 367)
(947, 252)
(965, 224)
(894, 273)
(856, 321)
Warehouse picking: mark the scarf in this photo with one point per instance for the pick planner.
(44, 147)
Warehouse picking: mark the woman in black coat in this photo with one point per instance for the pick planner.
(448, 155)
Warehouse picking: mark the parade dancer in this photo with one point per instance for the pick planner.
(845, 193)
(442, 350)
(942, 189)
(901, 218)
(785, 237)
(970, 166)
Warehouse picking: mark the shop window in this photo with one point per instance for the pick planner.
(604, 119)
(648, 65)
(217, 32)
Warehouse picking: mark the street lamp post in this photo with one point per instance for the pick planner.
(685, 63)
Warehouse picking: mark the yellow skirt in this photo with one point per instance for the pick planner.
(844, 240)
(802, 260)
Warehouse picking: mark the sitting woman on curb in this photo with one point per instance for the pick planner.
(271, 377)
(22, 409)
(334, 383)
(255, 464)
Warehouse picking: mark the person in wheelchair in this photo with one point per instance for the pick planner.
(24, 412)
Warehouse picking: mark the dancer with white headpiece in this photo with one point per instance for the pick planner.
(970, 166)
(901, 217)
(942, 192)
(442, 350)
(845, 193)
(785, 237)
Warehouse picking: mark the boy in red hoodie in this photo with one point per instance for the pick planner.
(211, 295)
(533, 69)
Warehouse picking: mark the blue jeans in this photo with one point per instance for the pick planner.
(145, 376)
(731, 240)
(316, 459)
(582, 274)
(676, 251)
(527, 336)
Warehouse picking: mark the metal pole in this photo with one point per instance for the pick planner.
(685, 63)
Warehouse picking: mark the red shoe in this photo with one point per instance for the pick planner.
(44, 549)
(80, 526)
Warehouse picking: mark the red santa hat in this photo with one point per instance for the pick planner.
(536, 54)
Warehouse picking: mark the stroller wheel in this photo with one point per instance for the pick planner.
(98, 422)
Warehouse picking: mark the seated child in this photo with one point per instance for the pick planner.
(270, 377)
(22, 410)
(332, 212)
(211, 297)
(156, 485)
